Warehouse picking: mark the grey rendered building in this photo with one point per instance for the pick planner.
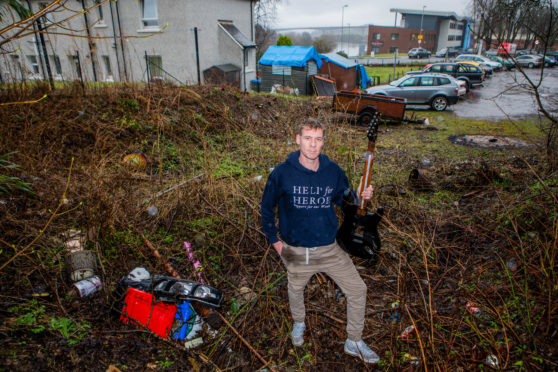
(133, 41)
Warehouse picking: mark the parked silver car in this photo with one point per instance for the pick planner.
(481, 60)
(436, 90)
(528, 60)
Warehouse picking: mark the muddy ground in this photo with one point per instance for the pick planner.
(464, 229)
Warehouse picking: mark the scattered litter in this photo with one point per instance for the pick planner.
(511, 264)
(81, 265)
(152, 210)
(426, 121)
(492, 361)
(407, 331)
(257, 178)
(255, 116)
(136, 160)
(193, 343)
(141, 307)
(139, 274)
(39, 292)
(85, 287)
(411, 359)
(472, 308)
(426, 162)
(395, 316)
(75, 240)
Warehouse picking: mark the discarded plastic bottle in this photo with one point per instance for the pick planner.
(472, 308)
(407, 332)
(86, 287)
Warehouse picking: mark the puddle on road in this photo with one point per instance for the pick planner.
(488, 142)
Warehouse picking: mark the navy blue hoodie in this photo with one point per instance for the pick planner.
(305, 201)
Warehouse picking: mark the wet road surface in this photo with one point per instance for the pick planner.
(508, 95)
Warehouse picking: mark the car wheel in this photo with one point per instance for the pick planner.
(365, 118)
(439, 103)
(531, 65)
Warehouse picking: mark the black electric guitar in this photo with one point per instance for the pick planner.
(358, 234)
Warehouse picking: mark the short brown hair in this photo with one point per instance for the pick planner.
(310, 123)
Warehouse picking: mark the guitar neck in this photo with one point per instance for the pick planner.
(367, 177)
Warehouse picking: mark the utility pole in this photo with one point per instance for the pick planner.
(342, 21)
(421, 18)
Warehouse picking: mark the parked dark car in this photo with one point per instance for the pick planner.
(549, 61)
(507, 63)
(419, 53)
(436, 90)
(523, 52)
(447, 53)
(470, 74)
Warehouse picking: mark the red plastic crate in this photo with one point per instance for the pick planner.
(142, 308)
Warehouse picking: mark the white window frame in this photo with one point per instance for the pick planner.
(100, 23)
(151, 22)
(35, 70)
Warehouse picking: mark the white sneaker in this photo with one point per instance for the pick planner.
(297, 334)
(361, 350)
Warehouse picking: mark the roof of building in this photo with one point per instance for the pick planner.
(338, 60)
(428, 13)
(235, 33)
(227, 67)
(295, 56)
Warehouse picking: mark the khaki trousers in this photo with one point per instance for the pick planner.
(303, 262)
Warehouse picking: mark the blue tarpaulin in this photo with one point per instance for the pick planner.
(295, 56)
(364, 77)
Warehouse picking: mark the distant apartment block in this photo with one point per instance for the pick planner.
(438, 30)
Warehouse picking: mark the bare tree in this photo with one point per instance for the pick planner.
(266, 12)
(505, 20)
(324, 43)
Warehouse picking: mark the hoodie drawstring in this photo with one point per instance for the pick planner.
(308, 253)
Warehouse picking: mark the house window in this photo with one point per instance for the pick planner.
(155, 64)
(460, 26)
(34, 65)
(55, 61)
(281, 70)
(458, 37)
(376, 36)
(75, 61)
(149, 13)
(106, 61)
(451, 37)
(413, 36)
(394, 36)
(101, 20)
(453, 25)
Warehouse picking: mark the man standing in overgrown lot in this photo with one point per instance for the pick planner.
(305, 189)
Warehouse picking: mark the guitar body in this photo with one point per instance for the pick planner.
(358, 234)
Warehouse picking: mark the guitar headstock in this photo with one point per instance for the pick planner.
(372, 131)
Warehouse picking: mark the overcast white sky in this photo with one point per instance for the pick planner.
(315, 13)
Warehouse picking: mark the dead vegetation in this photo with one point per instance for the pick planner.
(457, 234)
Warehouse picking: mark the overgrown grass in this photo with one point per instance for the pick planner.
(385, 73)
(443, 246)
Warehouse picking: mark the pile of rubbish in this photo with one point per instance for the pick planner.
(170, 307)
